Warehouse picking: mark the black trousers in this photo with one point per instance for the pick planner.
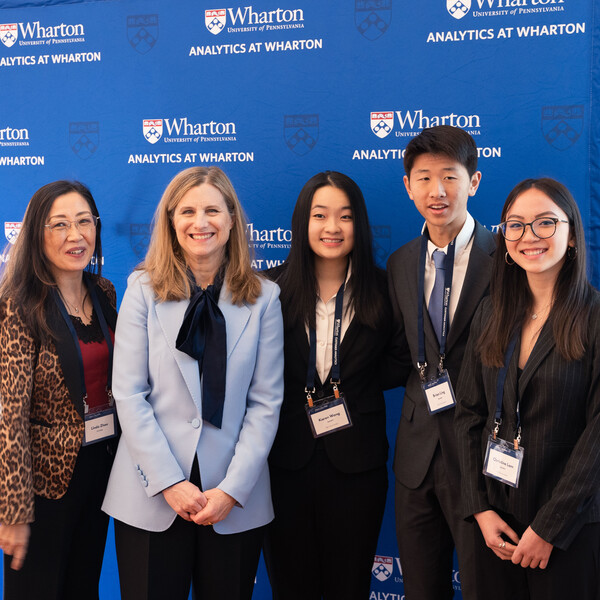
(66, 546)
(429, 525)
(324, 536)
(161, 565)
(571, 574)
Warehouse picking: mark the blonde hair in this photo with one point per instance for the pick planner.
(165, 262)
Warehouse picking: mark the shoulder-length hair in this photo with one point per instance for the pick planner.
(27, 277)
(511, 296)
(298, 281)
(165, 262)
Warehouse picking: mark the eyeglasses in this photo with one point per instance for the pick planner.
(543, 228)
(83, 225)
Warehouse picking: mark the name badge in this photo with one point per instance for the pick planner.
(439, 393)
(502, 461)
(99, 426)
(328, 415)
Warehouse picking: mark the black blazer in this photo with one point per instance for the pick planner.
(559, 487)
(361, 447)
(419, 433)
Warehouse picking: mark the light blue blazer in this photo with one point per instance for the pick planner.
(158, 397)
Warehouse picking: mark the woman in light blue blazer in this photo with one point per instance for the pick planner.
(198, 385)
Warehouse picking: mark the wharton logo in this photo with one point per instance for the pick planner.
(152, 130)
(407, 121)
(9, 32)
(372, 17)
(301, 132)
(215, 20)
(383, 567)
(562, 125)
(11, 231)
(382, 242)
(458, 8)
(142, 32)
(382, 123)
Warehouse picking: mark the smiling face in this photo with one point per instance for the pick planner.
(70, 250)
(202, 225)
(540, 258)
(440, 188)
(330, 227)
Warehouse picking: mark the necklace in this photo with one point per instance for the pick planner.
(534, 315)
(72, 307)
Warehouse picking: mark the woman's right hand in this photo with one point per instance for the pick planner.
(185, 499)
(492, 527)
(13, 542)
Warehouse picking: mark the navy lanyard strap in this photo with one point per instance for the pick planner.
(449, 270)
(335, 351)
(105, 332)
(500, 381)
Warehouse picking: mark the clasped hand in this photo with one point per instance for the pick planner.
(203, 508)
(528, 551)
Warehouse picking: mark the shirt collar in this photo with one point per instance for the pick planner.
(462, 239)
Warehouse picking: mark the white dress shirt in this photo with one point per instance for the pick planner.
(325, 318)
(462, 252)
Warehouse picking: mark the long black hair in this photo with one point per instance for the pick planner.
(298, 281)
(511, 296)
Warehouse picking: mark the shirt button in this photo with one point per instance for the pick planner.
(321, 344)
(196, 423)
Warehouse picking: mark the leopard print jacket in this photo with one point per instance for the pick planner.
(40, 429)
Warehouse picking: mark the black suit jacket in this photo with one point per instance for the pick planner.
(559, 486)
(361, 447)
(419, 433)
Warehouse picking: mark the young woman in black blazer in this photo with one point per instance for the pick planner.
(329, 491)
(531, 377)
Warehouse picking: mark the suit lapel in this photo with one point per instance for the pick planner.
(477, 280)
(543, 346)
(170, 316)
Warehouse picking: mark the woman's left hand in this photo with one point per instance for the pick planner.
(532, 551)
(217, 507)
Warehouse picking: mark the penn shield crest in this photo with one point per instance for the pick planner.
(458, 8)
(152, 130)
(9, 32)
(301, 132)
(372, 17)
(562, 125)
(84, 138)
(382, 123)
(142, 32)
(215, 20)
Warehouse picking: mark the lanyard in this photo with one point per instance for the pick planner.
(449, 270)
(335, 350)
(500, 380)
(105, 333)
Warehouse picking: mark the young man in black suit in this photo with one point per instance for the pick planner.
(436, 283)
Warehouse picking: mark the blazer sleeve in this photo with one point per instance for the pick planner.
(145, 439)
(579, 484)
(18, 356)
(398, 361)
(470, 416)
(263, 402)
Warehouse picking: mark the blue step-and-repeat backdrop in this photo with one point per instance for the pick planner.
(123, 94)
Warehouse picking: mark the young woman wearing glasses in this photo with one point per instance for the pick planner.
(528, 415)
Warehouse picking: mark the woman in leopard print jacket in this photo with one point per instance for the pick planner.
(57, 422)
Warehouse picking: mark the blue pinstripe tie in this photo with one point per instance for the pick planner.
(436, 300)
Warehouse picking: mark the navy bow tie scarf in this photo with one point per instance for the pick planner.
(203, 336)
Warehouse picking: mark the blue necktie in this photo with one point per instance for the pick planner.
(436, 300)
